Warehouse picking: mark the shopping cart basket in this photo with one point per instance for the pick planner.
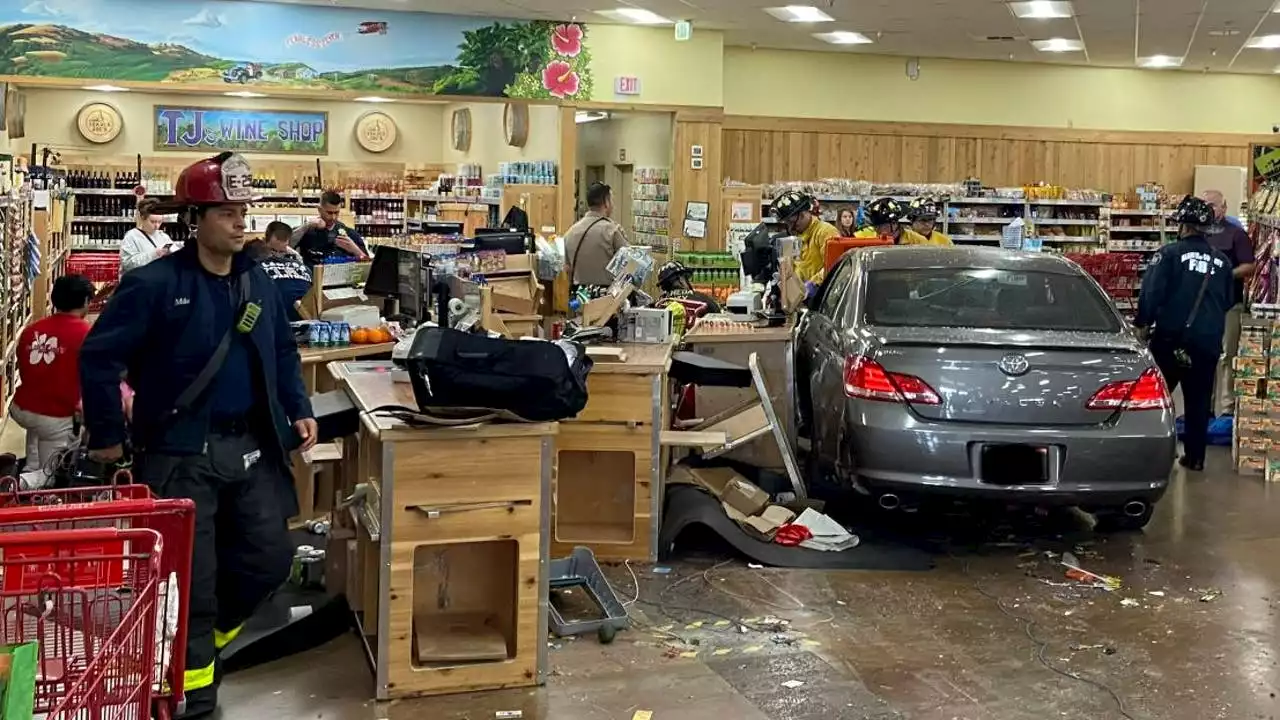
(123, 507)
(89, 598)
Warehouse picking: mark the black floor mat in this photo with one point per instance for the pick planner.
(688, 508)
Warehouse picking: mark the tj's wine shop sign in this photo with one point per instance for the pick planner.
(195, 129)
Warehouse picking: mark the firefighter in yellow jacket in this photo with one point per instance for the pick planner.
(796, 212)
(884, 219)
(923, 214)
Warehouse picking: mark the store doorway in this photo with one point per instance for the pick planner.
(620, 181)
(592, 175)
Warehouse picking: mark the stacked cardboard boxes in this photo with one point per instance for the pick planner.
(1256, 384)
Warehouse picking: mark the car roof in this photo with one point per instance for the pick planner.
(907, 257)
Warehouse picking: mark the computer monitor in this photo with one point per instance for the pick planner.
(397, 274)
(510, 242)
(436, 227)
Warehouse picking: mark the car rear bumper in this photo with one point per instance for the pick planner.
(893, 451)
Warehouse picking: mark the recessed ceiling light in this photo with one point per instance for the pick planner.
(1264, 42)
(244, 94)
(1041, 9)
(1160, 61)
(374, 99)
(639, 16)
(844, 37)
(106, 88)
(1058, 45)
(799, 14)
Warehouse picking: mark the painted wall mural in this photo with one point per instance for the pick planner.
(221, 42)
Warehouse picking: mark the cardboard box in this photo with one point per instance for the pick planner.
(766, 524)
(713, 479)
(745, 497)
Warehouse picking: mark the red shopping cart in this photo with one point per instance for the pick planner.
(89, 598)
(122, 507)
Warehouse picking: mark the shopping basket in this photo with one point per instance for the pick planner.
(89, 598)
(124, 507)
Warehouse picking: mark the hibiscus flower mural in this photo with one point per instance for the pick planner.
(564, 70)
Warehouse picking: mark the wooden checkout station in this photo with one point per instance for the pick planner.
(446, 550)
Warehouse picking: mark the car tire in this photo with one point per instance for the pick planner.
(1115, 520)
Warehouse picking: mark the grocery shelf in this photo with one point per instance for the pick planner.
(107, 219)
(1136, 228)
(976, 238)
(95, 248)
(1079, 203)
(982, 221)
(473, 200)
(101, 191)
(1145, 213)
(1068, 238)
(1057, 221)
(987, 201)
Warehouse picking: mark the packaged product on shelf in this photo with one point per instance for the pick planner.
(1247, 387)
(1249, 367)
(1253, 341)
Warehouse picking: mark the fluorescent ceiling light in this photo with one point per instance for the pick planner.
(1264, 42)
(106, 88)
(374, 99)
(1160, 61)
(1058, 45)
(1042, 9)
(244, 94)
(799, 14)
(586, 116)
(844, 37)
(639, 16)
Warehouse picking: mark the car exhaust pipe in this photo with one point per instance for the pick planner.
(1135, 508)
(889, 501)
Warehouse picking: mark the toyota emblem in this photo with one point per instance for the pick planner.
(1014, 364)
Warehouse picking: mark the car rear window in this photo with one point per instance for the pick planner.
(987, 298)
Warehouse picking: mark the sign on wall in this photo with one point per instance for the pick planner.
(196, 129)
(99, 123)
(220, 43)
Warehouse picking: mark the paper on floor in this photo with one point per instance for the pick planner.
(828, 534)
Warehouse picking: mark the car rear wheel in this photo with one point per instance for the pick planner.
(1118, 520)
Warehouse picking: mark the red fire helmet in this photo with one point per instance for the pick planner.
(218, 180)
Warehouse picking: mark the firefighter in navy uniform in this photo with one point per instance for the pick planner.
(1186, 294)
(203, 339)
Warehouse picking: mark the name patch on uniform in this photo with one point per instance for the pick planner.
(251, 458)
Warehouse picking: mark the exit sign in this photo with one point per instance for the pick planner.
(626, 85)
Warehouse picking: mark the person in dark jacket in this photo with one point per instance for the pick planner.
(1186, 294)
(325, 236)
(207, 315)
(283, 265)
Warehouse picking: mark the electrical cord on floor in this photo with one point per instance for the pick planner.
(1028, 628)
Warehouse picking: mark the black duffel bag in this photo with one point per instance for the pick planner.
(531, 379)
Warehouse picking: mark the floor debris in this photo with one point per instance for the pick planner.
(1129, 602)
(793, 684)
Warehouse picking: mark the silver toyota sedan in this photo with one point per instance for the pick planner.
(981, 373)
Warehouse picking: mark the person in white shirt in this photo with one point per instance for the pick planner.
(146, 242)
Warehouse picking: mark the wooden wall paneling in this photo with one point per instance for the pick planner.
(915, 163)
(764, 150)
(689, 185)
(565, 215)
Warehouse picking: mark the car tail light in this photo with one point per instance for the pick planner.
(1148, 392)
(867, 379)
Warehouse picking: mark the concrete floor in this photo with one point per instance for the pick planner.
(1193, 634)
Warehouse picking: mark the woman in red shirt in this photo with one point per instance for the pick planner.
(48, 366)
